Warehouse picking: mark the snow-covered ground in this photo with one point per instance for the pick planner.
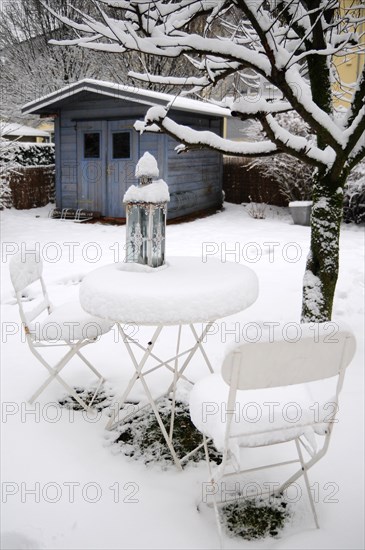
(65, 487)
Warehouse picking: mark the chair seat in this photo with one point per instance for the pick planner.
(262, 417)
(69, 322)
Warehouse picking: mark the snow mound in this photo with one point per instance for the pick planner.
(154, 192)
(180, 293)
(147, 166)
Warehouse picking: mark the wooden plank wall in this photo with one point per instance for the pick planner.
(194, 178)
(242, 185)
(32, 186)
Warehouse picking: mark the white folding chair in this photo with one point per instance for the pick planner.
(273, 371)
(66, 326)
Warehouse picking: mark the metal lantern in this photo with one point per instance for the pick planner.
(146, 207)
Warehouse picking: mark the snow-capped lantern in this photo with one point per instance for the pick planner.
(146, 207)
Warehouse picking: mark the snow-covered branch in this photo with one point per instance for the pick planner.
(220, 38)
(156, 119)
(297, 146)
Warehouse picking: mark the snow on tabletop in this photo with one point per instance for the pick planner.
(154, 192)
(300, 203)
(140, 268)
(180, 293)
(147, 166)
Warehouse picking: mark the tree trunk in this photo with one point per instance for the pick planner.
(321, 273)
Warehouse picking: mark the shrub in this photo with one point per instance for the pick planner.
(292, 177)
(13, 156)
(354, 196)
(33, 154)
(7, 165)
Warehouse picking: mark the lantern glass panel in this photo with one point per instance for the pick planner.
(158, 236)
(146, 224)
(134, 234)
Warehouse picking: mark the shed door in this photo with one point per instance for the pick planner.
(122, 156)
(107, 157)
(91, 166)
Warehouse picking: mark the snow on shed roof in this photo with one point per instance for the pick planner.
(14, 129)
(112, 89)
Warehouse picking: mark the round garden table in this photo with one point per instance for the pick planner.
(182, 292)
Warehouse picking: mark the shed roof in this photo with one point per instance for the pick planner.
(54, 100)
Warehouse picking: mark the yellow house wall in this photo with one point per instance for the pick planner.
(350, 66)
(46, 126)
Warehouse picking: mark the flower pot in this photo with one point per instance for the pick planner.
(301, 212)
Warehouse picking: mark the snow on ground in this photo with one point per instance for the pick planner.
(63, 486)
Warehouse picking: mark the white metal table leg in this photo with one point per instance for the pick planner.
(140, 375)
(193, 350)
(199, 342)
(176, 377)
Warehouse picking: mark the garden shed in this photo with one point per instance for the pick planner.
(97, 147)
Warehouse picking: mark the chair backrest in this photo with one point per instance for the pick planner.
(26, 269)
(317, 354)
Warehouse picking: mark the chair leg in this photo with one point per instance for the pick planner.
(101, 382)
(215, 505)
(95, 371)
(54, 375)
(54, 371)
(68, 388)
(306, 480)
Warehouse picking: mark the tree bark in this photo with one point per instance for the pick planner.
(321, 273)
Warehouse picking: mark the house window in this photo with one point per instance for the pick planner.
(92, 145)
(121, 145)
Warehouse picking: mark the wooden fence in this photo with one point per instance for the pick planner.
(32, 186)
(243, 185)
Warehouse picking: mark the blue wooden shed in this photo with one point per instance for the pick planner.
(97, 147)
